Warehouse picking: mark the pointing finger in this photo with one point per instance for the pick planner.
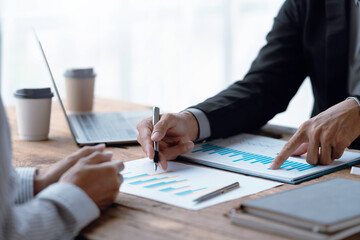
(287, 150)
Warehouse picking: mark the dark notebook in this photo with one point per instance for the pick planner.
(327, 207)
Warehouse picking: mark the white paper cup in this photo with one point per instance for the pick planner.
(79, 84)
(33, 109)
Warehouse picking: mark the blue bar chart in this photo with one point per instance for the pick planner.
(169, 183)
(252, 155)
(251, 158)
(170, 189)
(162, 184)
(188, 192)
(182, 183)
(141, 182)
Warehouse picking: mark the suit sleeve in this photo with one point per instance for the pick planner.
(273, 79)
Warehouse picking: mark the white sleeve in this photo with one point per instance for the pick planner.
(203, 122)
(58, 212)
(25, 188)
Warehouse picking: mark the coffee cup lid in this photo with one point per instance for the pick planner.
(34, 93)
(79, 73)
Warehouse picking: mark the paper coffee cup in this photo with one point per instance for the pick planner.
(33, 109)
(79, 84)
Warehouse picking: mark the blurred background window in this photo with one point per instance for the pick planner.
(169, 53)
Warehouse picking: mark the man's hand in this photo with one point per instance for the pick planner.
(97, 176)
(325, 136)
(53, 174)
(175, 132)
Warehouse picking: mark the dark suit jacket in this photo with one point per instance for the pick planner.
(308, 38)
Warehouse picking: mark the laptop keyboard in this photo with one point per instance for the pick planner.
(105, 127)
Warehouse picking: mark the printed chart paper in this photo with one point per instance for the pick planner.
(181, 183)
(252, 155)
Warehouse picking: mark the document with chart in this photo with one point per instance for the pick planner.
(251, 154)
(181, 183)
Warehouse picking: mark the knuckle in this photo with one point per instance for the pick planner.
(317, 132)
(287, 147)
(304, 126)
(168, 116)
(71, 158)
(110, 170)
(338, 143)
(115, 186)
(120, 178)
(346, 143)
(327, 136)
(144, 138)
(86, 149)
(97, 154)
(139, 125)
(167, 154)
(339, 154)
(120, 167)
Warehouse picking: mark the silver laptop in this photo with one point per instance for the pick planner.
(111, 128)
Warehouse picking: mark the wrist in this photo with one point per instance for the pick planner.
(192, 125)
(356, 99)
(40, 182)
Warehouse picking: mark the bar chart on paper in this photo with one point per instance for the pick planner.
(182, 183)
(252, 155)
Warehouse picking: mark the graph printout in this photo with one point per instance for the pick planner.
(252, 155)
(181, 183)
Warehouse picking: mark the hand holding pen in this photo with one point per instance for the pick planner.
(175, 133)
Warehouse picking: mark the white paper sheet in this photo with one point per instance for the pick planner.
(181, 183)
(355, 171)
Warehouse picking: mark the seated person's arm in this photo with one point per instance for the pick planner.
(62, 209)
(266, 90)
(325, 136)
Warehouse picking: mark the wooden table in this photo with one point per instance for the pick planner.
(138, 218)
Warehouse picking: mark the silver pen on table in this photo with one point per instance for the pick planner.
(156, 118)
(218, 192)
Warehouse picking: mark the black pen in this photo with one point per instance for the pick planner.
(217, 192)
(156, 118)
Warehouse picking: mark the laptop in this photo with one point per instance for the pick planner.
(111, 128)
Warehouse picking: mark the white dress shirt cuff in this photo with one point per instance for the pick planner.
(25, 191)
(203, 122)
(75, 200)
(355, 99)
